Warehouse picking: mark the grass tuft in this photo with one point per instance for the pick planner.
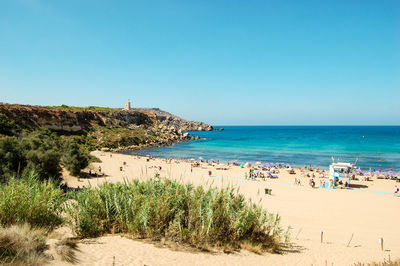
(385, 262)
(22, 245)
(66, 249)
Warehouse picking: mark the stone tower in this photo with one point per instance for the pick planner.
(127, 106)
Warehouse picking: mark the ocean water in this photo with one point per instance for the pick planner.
(377, 147)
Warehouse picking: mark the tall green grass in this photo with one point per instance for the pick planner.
(165, 209)
(28, 200)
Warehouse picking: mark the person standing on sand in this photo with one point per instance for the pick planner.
(312, 183)
(396, 191)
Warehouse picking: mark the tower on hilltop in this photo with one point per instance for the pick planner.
(127, 106)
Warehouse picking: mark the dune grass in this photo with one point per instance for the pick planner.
(156, 209)
(385, 262)
(27, 200)
(22, 245)
(164, 209)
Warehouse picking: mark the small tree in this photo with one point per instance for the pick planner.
(73, 157)
(7, 126)
(12, 160)
(41, 150)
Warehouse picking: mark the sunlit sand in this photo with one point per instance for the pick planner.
(352, 220)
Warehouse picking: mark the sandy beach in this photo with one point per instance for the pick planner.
(352, 220)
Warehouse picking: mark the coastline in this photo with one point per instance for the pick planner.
(375, 147)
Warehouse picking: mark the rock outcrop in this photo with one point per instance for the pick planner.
(170, 121)
(132, 129)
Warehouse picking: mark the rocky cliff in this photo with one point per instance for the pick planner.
(123, 129)
(170, 121)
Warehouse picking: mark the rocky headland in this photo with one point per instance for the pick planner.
(103, 128)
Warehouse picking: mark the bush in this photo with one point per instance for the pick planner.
(22, 245)
(166, 209)
(73, 157)
(27, 200)
(11, 158)
(7, 126)
(40, 151)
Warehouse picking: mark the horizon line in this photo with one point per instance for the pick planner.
(316, 125)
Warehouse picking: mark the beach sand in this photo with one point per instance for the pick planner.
(363, 212)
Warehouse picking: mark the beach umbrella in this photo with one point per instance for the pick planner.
(258, 162)
(269, 172)
(200, 158)
(258, 171)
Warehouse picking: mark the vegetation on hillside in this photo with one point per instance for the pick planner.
(103, 137)
(67, 107)
(42, 152)
(8, 127)
(97, 127)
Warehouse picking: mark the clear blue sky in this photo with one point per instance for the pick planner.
(223, 62)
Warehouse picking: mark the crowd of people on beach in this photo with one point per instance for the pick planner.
(259, 171)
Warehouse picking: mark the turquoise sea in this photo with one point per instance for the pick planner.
(377, 147)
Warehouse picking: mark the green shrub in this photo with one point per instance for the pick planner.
(27, 200)
(8, 127)
(41, 150)
(128, 141)
(73, 157)
(166, 209)
(12, 160)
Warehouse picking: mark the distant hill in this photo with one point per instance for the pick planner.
(106, 127)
